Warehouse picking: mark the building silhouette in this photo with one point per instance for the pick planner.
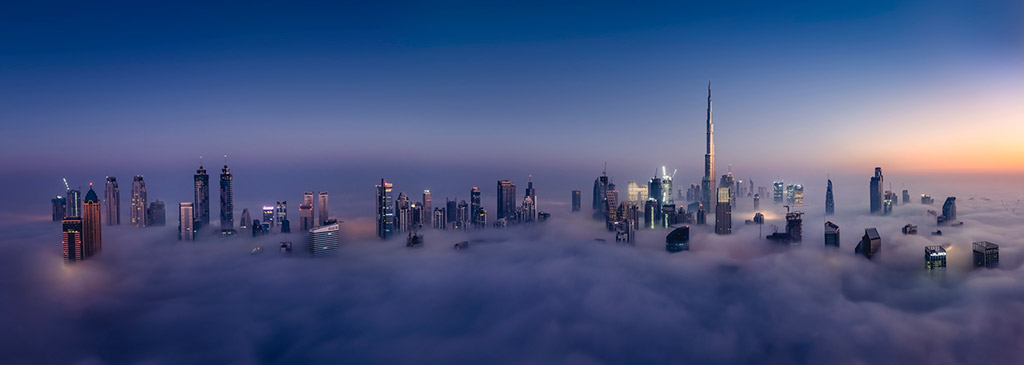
(227, 200)
(906, 196)
(577, 200)
(268, 217)
(723, 213)
(139, 203)
(306, 220)
(156, 214)
(831, 234)
(876, 193)
(60, 208)
(246, 219)
(325, 240)
(934, 257)
(986, 254)
(678, 240)
(71, 239)
(112, 202)
(186, 222)
(600, 191)
(778, 192)
(322, 214)
(506, 200)
(386, 210)
(830, 205)
(870, 245)
(74, 203)
(403, 213)
(948, 211)
(427, 217)
(202, 198)
(707, 184)
(280, 213)
(927, 199)
(92, 228)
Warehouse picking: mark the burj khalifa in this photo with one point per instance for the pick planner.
(707, 185)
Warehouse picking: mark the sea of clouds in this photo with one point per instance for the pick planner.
(548, 293)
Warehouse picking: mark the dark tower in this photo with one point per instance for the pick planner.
(202, 197)
(876, 191)
(830, 205)
(227, 200)
(707, 185)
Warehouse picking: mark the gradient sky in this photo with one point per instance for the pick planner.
(918, 86)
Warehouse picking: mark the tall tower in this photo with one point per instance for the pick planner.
(202, 197)
(506, 199)
(227, 200)
(876, 191)
(306, 212)
(530, 192)
(113, 202)
(723, 213)
(386, 210)
(138, 202)
(186, 222)
(324, 215)
(830, 205)
(71, 239)
(92, 237)
(428, 213)
(707, 185)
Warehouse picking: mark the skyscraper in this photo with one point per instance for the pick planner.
(577, 200)
(474, 202)
(830, 205)
(202, 197)
(600, 189)
(888, 202)
(729, 182)
(778, 191)
(427, 208)
(870, 245)
(403, 213)
(632, 191)
(506, 199)
(876, 191)
(948, 211)
(831, 234)
(71, 239)
(986, 254)
(723, 213)
(246, 219)
(451, 209)
(306, 221)
(60, 208)
(654, 188)
(386, 210)
(112, 202)
(324, 241)
(934, 257)
(280, 213)
(74, 203)
(138, 202)
(323, 214)
(156, 214)
(268, 217)
(92, 229)
(530, 191)
(462, 216)
(707, 185)
(227, 200)
(186, 222)
(906, 196)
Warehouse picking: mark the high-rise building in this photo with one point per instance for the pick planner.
(386, 209)
(202, 198)
(306, 221)
(506, 199)
(798, 195)
(651, 211)
(427, 208)
(156, 214)
(600, 189)
(666, 188)
(324, 241)
(440, 218)
(186, 222)
(723, 213)
(577, 200)
(888, 202)
(632, 191)
(830, 205)
(139, 203)
(246, 219)
(529, 210)
(948, 211)
(481, 217)
(927, 199)
(74, 203)
(71, 239)
(612, 200)
(227, 200)
(757, 202)
(876, 191)
(112, 202)
(702, 215)
(92, 229)
(403, 213)
(678, 240)
(323, 213)
(707, 185)
(530, 191)
(934, 257)
(831, 234)
(729, 182)
(906, 196)
(870, 245)
(281, 212)
(451, 209)
(268, 216)
(654, 187)
(474, 204)
(60, 207)
(778, 193)
(986, 254)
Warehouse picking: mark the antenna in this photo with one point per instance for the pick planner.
(200, 161)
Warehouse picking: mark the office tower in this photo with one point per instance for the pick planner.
(707, 185)
(948, 211)
(729, 182)
(506, 200)
(474, 204)
(427, 206)
(227, 200)
(92, 233)
(641, 194)
(324, 241)
(757, 202)
(611, 199)
(529, 210)
(156, 215)
(678, 240)
(895, 198)
(577, 200)
(934, 257)
(530, 191)
(138, 202)
(650, 213)
(906, 196)
(654, 188)
(831, 234)
(257, 227)
(927, 199)
(306, 221)
(830, 205)
(986, 254)
(723, 213)
(751, 192)
(909, 229)
(462, 216)
(280, 212)
(202, 198)
(246, 219)
(798, 195)
(666, 188)
(600, 189)
(186, 222)
(113, 202)
(778, 191)
(451, 208)
(876, 191)
(791, 194)
(74, 203)
(403, 213)
(71, 239)
(870, 245)
(323, 214)
(632, 191)
(386, 210)
(268, 216)
(440, 218)
(887, 202)
(481, 217)
(702, 215)
(794, 227)
(286, 226)
(60, 207)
